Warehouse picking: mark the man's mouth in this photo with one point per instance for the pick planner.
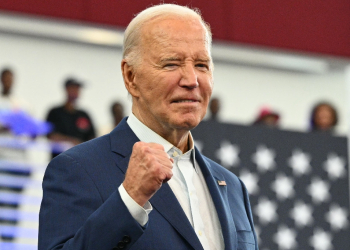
(182, 101)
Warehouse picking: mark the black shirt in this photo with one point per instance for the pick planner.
(76, 124)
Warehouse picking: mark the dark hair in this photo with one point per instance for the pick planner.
(5, 71)
(315, 109)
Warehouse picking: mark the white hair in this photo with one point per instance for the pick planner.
(132, 35)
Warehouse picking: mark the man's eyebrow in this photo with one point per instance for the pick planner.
(203, 60)
(167, 59)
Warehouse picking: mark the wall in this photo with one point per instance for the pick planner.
(320, 26)
(41, 65)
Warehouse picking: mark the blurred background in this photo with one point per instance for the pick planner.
(273, 59)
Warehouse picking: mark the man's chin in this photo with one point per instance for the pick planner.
(187, 124)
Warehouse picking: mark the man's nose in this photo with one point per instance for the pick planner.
(189, 77)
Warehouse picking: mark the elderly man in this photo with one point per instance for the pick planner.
(145, 185)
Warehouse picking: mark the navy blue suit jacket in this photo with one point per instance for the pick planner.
(82, 208)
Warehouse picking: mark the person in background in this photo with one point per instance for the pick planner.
(6, 82)
(8, 101)
(145, 186)
(70, 124)
(117, 111)
(267, 117)
(324, 117)
(214, 107)
(5, 101)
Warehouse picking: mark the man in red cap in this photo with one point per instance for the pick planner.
(267, 117)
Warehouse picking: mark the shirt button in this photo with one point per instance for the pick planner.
(200, 233)
(175, 154)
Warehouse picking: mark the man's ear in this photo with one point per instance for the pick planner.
(129, 78)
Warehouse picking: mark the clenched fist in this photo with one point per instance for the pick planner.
(149, 167)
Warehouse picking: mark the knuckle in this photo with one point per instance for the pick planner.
(136, 146)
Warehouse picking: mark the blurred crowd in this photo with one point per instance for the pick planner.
(323, 116)
(67, 123)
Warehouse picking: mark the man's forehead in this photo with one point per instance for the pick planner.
(166, 26)
(171, 30)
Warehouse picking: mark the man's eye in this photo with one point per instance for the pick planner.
(202, 65)
(170, 65)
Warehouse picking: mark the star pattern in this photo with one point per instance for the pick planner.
(318, 190)
(300, 162)
(321, 240)
(228, 154)
(266, 211)
(285, 238)
(250, 180)
(335, 166)
(337, 217)
(302, 214)
(283, 186)
(264, 158)
(297, 185)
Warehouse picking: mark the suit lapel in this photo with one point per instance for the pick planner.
(219, 196)
(164, 201)
(122, 140)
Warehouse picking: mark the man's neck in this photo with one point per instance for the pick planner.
(69, 106)
(179, 138)
(5, 93)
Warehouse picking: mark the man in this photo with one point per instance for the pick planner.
(8, 101)
(6, 82)
(70, 124)
(145, 185)
(5, 101)
(214, 107)
(117, 111)
(268, 118)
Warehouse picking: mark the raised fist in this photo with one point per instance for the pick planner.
(149, 167)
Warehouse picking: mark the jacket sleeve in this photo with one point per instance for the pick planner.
(73, 214)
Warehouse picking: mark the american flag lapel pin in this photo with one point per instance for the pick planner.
(222, 183)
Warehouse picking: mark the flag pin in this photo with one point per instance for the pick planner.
(222, 183)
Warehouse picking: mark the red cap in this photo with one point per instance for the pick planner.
(265, 111)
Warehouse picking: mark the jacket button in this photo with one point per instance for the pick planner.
(126, 239)
(120, 245)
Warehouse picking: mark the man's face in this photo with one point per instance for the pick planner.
(174, 79)
(324, 117)
(7, 81)
(215, 106)
(73, 92)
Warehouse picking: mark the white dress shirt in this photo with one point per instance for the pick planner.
(187, 184)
